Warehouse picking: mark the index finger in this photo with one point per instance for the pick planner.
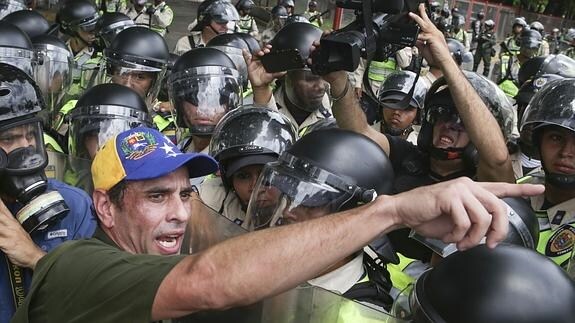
(513, 190)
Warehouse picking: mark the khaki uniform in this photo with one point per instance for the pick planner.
(227, 203)
(247, 24)
(113, 5)
(183, 44)
(161, 19)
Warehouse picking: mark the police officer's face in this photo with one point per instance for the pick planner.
(449, 134)
(154, 214)
(244, 181)
(558, 150)
(308, 88)
(517, 29)
(136, 80)
(399, 119)
(18, 137)
(92, 145)
(219, 28)
(87, 36)
(204, 116)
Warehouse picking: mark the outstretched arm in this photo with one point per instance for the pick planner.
(260, 264)
(482, 128)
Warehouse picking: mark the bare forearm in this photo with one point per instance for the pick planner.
(248, 268)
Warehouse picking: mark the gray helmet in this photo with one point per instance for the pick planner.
(520, 21)
(397, 85)
(16, 48)
(250, 135)
(220, 11)
(536, 25)
(553, 105)
(9, 6)
(460, 54)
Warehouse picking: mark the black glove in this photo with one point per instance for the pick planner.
(150, 10)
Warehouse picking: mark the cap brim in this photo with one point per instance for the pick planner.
(397, 98)
(242, 162)
(198, 165)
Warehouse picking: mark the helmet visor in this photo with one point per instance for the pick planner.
(91, 127)
(24, 145)
(201, 96)
(284, 195)
(238, 58)
(222, 12)
(407, 306)
(108, 33)
(53, 74)
(21, 58)
(554, 104)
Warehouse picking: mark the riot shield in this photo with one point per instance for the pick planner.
(72, 171)
(304, 304)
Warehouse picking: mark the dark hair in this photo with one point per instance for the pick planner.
(116, 193)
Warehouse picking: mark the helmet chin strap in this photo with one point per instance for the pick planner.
(561, 181)
(395, 131)
(446, 153)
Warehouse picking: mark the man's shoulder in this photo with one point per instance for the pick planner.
(69, 192)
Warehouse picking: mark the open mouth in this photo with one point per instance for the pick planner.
(445, 140)
(169, 243)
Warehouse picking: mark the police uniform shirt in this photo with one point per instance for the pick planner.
(312, 118)
(215, 195)
(162, 18)
(183, 44)
(140, 18)
(343, 278)
(556, 224)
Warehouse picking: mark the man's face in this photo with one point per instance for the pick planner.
(218, 28)
(558, 150)
(201, 116)
(308, 88)
(449, 134)
(136, 80)
(18, 137)
(517, 29)
(154, 214)
(244, 181)
(399, 119)
(87, 36)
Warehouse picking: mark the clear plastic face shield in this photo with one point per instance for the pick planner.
(24, 144)
(223, 12)
(9, 6)
(91, 127)
(53, 75)
(291, 190)
(108, 33)
(305, 89)
(21, 58)
(237, 57)
(409, 307)
(202, 95)
(141, 75)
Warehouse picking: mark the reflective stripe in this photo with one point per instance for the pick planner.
(64, 111)
(378, 71)
(397, 273)
(509, 88)
(50, 142)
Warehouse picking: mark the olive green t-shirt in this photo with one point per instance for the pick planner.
(93, 280)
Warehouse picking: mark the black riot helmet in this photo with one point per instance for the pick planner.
(529, 42)
(53, 72)
(220, 11)
(77, 15)
(287, 3)
(458, 20)
(559, 64)
(16, 48)
(203, 86)
(505, 284)
(323, 172)
(111, 24)
(297, 35)
(250, 135)
(245, 5)
(553, 105)
(460, 54)
(102, 112)
(9, 6)
(136, 52)
(440, 106)
(30, 21)
(529, 88)
(279, 11)
(481, 15)
(296, 18)
(233, 45)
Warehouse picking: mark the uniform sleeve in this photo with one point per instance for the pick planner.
(164, 17)
(403, 57)
(254, 31)
(358, 74)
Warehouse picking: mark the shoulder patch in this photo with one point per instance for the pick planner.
(561, 242)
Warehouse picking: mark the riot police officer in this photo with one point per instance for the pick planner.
(203, 86)
(548, 122)
(40, 213)
(279, 15)
(101, 112)
(313, 15)
(476, 29)
(401, 116)
(544, 48)
(570, 39)
(78, 20)
(458, 30)
(511, 44)
(247, 23)
(485, 50)
(243, 142)
(318, 176)
(289, 5)
(214, 17)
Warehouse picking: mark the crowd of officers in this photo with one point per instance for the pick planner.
(325, 144)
